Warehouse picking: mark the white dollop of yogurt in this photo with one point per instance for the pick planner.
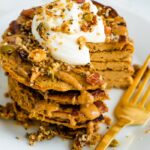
(64, 46)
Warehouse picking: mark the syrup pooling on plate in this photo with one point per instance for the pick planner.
(64, 27)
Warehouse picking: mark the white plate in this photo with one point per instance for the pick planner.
(131, 138)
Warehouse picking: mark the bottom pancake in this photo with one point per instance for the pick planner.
(85, 136)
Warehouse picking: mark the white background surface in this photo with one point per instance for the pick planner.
(137, 15)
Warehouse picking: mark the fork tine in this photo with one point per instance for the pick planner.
(141, 87)
(148, 106)
(145, 97)
(131, 89)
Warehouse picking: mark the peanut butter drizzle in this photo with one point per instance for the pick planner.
(72, 120)
(90, 111)
(90, 128)
(51, 109)
(66, 77)
(85, 97)
(48, 108)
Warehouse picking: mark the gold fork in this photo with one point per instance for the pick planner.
(131, 110)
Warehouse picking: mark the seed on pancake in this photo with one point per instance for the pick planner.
(114, 143)
(88, 17)
(7, 49)
(37, 55)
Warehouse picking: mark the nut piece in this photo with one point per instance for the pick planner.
(88, 17)
(37, 55)
(86, 6)
(80, 1)
(81, 41)
(94, 79)
(29, 13)
(14, 27)
(108, 30)
(65, 27)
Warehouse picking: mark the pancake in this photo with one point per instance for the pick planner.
(68, 97)
(117, 79)
(113, 65)
(109, 46)
(15, 112)
(111, 56)
(25, 73)
(47, 131)
(73, 116)
(74, 97)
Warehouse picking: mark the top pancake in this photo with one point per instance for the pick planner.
(19, 48)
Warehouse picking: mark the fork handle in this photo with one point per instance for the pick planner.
(109, 136)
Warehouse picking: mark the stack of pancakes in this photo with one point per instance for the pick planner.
(114, 57)
(65, 100)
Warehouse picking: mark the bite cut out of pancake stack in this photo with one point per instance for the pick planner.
(113, 59)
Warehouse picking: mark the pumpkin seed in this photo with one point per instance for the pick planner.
(7, 49)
